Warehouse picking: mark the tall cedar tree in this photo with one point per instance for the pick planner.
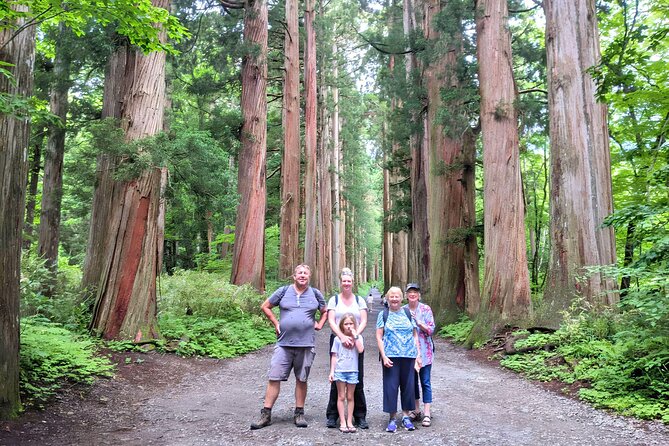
(445, 192)
(310, 140)
(506, 286)
(248, 263)
(290, 165)
(581, 195)
(52, 189)
(419, 241)
(131, 250)
(17, 54)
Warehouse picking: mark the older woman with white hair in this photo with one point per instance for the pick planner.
(397, 338)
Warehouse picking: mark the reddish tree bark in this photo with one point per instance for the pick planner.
(506, 284)
(471, 253)
(132, 247)
(17, 52)
(581, 194)
(248, 261)
(419, 237)
(445, 193)
(337, 220)
(310, 140)
(290, 165)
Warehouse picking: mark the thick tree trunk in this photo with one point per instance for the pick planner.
(387, 235)
(248, 262)
(33, 181)
(445, 192)
(310, 140)
(290, 164)
(581, 195)
(506, 285)
(17, 52)
(324, 271)
(335, 191)
(125, 306)
(471, 254)
(419, 237)
(107, 190)
(52, 185)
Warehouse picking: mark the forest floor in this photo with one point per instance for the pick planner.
(158, 399)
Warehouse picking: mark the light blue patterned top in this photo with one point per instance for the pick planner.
(398, 341)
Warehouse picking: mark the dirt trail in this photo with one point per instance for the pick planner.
(167, 400)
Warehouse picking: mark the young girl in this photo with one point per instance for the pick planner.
(344, 370)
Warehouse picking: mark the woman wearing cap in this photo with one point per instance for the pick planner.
(422, 314)
(339, 305)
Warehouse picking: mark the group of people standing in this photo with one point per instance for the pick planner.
(403, 335)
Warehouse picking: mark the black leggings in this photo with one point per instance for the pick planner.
(359, 401)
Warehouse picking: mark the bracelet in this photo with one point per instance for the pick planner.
(356, 337)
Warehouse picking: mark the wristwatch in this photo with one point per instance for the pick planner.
(356, 337)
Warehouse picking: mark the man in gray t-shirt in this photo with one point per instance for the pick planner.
(296, 335)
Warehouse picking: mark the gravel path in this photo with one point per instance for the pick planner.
(166, 400)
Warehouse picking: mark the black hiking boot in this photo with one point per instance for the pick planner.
(361, 423)
(331, 422)
(265, 419)
(300, 421)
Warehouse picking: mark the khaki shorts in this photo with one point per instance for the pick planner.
(286, 358)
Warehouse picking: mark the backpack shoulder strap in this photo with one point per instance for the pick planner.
(385, 315)
(407, 312)
(318, 293)
(282, 292)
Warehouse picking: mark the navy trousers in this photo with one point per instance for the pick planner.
(400, 377)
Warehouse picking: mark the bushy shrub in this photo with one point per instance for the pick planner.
(203, 314)
(65, 305)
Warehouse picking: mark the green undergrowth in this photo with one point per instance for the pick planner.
(53, 356)
(616, 359)
(202, 314)
(458, 331)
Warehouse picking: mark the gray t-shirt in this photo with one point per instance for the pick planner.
(347, 358)
(297, 315)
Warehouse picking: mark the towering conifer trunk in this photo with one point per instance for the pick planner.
(33, 181)
(248, 262)
(337, 241)
(310, 139)
(17, 52)
(506, 286)
(445, 193)
(581, 195)
(290, 165)
(126, 257)
(52, 189)
(419, 237)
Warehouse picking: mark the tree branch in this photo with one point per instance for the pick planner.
(232, 4)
